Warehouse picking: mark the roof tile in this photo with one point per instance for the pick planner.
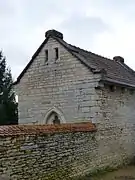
(14, 130)
(115, 70)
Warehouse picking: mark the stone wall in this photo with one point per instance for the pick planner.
(116, 125)
(66, 84)
(51, 152)
(47, 152)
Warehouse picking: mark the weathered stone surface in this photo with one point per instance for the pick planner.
(48, 156)
(116, 126)
(63, 152)
(63, 84)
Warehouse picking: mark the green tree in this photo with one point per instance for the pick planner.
(8, 104)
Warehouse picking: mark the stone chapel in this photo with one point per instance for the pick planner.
(63, 83)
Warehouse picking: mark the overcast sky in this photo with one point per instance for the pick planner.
(105, 27)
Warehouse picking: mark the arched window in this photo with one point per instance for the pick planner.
(56, 120)
(54, 116)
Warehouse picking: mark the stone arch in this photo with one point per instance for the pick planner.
(54, 116)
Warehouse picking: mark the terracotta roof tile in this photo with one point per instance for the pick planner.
(14, 130)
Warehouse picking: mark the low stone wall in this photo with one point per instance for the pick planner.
(47, 152)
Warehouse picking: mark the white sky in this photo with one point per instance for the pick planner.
(105, 27)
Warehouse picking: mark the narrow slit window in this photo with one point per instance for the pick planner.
(112, 88)
(56, 53)
(46, 55)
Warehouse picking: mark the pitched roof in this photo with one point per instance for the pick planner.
(114, 71)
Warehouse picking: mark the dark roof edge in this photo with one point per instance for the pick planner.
(128, 68)
(31, 61)
(120, 83)
(93, 69)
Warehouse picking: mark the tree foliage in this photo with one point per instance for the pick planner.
(8, 104)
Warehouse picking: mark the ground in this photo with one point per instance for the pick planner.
(127, 173)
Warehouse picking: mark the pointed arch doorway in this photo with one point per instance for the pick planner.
(54, 116)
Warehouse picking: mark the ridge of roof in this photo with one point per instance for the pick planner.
(90, 52)
(100, 56)
(108, 59)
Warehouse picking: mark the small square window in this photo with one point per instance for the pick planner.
(46, 55)
(56, 53)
